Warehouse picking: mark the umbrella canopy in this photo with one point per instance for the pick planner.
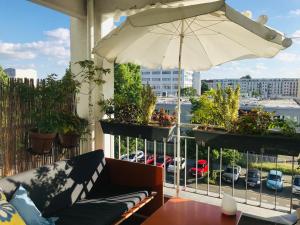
(214, 33)
(194, 37)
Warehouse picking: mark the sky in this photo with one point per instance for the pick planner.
(34, 37)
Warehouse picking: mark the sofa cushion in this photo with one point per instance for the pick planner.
(58, 186)
(104, 209)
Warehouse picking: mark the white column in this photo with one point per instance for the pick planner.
(84, 35)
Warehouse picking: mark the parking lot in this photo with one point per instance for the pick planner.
(252, 195)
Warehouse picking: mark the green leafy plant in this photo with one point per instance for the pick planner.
(147, 104)
(287, 127)
(217, 108)
(72, 124)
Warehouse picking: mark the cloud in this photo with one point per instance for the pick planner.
(295, 12)
(296, 36)
(55, 46)
(288, 57)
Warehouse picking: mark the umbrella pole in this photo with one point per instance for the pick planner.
(179, 111)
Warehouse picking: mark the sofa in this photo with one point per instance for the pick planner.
(90, 189)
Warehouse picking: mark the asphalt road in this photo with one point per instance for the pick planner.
(268, 199)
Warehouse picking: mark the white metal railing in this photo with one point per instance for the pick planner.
(261, 197)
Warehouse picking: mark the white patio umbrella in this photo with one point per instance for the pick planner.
(195, 37)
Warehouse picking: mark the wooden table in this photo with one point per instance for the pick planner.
(178, 211)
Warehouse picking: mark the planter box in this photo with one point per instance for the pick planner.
(273, 144)
(149, 132)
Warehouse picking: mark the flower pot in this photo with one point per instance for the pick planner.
(149, 132)
(41, 143)
(272, 144)
(69, 140)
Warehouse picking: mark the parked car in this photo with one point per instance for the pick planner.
(253, 178)
(201, 170)
(275, 180)
(159, 160)
(173, 164)
(231, 172)
(133, 157)
(296, 185)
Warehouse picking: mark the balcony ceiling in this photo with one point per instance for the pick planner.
(77, 8)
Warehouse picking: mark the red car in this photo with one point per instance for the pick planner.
(159, 160)
(202, 168)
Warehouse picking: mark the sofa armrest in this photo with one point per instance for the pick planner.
(140, 176)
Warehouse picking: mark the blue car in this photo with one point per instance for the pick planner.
(274, 180)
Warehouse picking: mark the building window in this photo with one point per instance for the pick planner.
(175, 72)
(166, 79)
(155, 79)
(145, 72)
(156, 72)
(166, 72)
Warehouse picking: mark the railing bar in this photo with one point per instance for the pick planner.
(293, 177)
(208, 165)
(127, 148)
(233, 173)
(185, 158)
(119, 147)
(276, 165)
(174, 172)
(136, 149)
(165, 149)
(145, 149)
(247, 169)
(196, 186)
(260, 188)
(220, 173)
(154, 145)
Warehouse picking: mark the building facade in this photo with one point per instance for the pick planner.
(264, 88)
(21, 74)
(165, 82)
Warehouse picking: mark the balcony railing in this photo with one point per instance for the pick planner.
(211, 182)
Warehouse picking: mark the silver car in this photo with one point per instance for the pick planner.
(296, 185)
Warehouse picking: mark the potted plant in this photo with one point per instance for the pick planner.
(46, 117)
(71, 129)
(137, 118)
(223, 127)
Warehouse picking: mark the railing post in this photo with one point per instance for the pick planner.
(276, 165)
(165, 149)
(247, 168)
(136, 149)
(260, 188)
(196, 186)
(292, 183)
(145, 149)
(220, 172)
(185, 157)
(127, 139)
(208, 165)
(233, 172)
(154, 146)
(119, 147)
(174, 172)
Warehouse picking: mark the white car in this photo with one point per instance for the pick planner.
(296, 185)
(173, 163)
(133, 157)
(231, 172)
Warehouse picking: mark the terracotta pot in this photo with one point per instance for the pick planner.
(69, 140)
(41, 143)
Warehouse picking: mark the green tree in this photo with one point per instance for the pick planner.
(230, 156)
(3, 76)
(217, 107)
(204, 87)
(188, 92)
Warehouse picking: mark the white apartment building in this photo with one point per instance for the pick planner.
(22, 73)
(264, 88)
(165, 82)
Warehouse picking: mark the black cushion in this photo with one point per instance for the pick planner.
(105, 208)
(58, 186)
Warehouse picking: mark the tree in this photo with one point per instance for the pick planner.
(246, 77)
(204, 87)
(188, 92)
(217, 107)
(3, 76)
(230, 156)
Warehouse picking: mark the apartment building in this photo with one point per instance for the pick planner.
(22, 73)
(165, 82)
(264, 88)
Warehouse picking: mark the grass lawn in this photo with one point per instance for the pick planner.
(286, 168)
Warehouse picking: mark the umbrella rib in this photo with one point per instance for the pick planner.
(189, 24)
(233, 40)
(163, 28)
